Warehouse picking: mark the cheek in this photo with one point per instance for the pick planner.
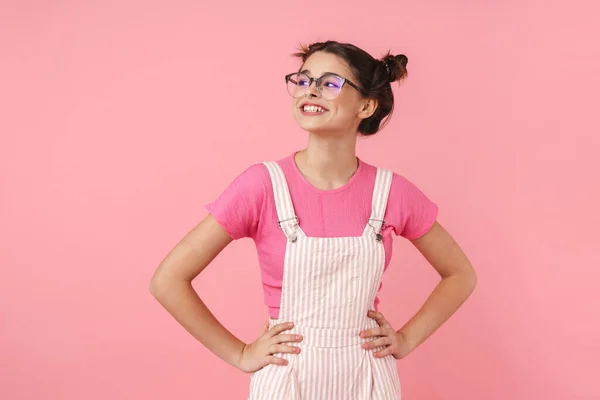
(295, 109)
(346, 105)
(344, 111)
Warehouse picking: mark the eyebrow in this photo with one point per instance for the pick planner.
(307, 72)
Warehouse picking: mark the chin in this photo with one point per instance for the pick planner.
(314, 128)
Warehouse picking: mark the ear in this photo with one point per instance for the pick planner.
(368, 108)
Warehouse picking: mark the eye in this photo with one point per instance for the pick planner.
(332, 82)
(302, 82)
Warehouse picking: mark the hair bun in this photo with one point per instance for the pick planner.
(395, 66)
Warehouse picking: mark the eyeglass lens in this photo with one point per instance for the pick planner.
(329, 85)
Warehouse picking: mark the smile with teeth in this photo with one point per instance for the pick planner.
(310, 108)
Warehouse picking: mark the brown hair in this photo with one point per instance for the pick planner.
(374, 77)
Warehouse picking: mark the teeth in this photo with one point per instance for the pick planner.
(313, 109)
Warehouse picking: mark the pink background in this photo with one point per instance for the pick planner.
(120, 120)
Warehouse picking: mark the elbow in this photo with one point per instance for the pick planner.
(465, 276)
(163, 283)
(471, 279)
(154, 287)
(158, 285)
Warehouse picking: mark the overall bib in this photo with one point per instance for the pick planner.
(329, 285)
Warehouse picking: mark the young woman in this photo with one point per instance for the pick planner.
(322, 221)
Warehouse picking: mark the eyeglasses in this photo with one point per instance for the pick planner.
(329, 85)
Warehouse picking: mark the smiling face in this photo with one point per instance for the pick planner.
(315, 113)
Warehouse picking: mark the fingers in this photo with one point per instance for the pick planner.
(277, 347)
(277, 329)
(377, 316)
(280, 348)
(276, 360)
(383, 353)
(381, 342)
(284, 338)
(373, 332)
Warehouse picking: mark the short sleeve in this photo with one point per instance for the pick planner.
(238, 207)
(413, 213)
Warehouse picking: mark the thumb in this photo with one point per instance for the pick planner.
(265, 328)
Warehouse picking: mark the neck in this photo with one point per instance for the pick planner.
(328, 162)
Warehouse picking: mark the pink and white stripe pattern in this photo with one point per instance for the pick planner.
(329, 284)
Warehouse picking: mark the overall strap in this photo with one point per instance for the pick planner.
(381, 192)
(286, 217)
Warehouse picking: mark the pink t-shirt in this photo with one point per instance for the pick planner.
(247, 209)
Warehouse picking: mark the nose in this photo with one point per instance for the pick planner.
(312, 91)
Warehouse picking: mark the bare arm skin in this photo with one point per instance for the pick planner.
(171, 285)
(457, 283)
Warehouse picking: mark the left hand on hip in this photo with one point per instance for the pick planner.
(386, 337)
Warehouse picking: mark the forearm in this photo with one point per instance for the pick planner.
(181, 301)
(450, 293)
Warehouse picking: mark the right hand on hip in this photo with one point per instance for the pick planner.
(261, 352)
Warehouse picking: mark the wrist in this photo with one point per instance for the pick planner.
(238, 356)
(407, 343)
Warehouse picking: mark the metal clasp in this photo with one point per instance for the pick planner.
(378, 235)
(289, 219)
(293, 236)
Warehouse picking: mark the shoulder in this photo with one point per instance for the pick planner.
(248, 186)
(399, 183)
(251, 183)
(410, 211)
(260, 172)
(415, 211)
(255, 173)
(406, 192)
(256, 179)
